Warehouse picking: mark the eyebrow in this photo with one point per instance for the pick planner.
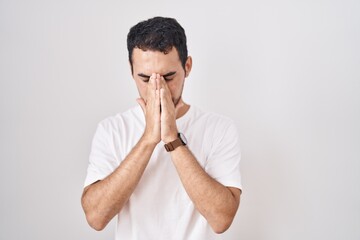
(164, 76)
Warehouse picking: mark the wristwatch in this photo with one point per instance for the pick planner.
(180, 141)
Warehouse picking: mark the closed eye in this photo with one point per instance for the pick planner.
(145, 80)
(168, 77)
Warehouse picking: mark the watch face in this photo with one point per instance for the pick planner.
(183, 138)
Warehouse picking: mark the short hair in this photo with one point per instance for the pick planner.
(158, 34)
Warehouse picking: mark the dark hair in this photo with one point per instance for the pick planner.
(158, 34)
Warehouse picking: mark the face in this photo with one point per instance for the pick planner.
(167, 65)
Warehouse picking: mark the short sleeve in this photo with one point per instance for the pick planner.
(102, 160)
(223, 163)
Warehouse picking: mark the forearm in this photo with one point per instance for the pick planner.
(213, 200)
(104, 199)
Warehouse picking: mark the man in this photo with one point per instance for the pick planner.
(167, 169)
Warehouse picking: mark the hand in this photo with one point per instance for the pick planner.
(151, 110)
(169, 111)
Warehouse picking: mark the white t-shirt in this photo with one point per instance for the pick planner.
(160, 208)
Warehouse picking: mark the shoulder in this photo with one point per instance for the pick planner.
(213, 133)
(121, 120)
(212, 119)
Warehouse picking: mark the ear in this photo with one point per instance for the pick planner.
(188, 66)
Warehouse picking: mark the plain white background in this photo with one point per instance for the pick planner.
(288, 72)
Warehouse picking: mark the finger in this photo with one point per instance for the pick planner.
(162, 82)
(168, 96)
(164, 85)
(165, 98)
(158, 85)
(151, 88)
(142, 104)
(153, 82)
(158, 79)
(157, 99)
(162, 98)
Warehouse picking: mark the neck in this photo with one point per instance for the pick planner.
(182, 110)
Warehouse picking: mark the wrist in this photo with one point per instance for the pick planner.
(179, 141)
(149, 141)
(171, 137)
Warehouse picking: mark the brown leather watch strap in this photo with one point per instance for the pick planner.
(171, 146)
